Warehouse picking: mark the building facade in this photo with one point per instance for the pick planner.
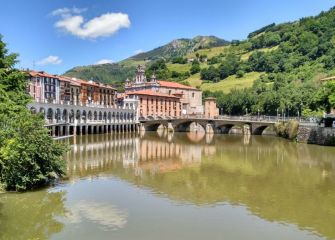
(75, 106)
(44, 87)
(155, 104)
(211, 111)
(190, 97)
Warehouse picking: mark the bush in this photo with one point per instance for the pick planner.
(240, 74)
(29, 157)
(287, 130)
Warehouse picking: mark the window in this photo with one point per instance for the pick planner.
(193, 95)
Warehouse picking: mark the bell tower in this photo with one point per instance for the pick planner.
(140, 75)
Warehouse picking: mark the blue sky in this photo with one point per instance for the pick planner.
(56, 35)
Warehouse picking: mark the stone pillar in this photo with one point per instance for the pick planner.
(61, 131)
(209, 128)
(141, 127)
(170, 127)
(53, 130)
(246, 129)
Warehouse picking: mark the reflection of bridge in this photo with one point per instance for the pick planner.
(246, 125)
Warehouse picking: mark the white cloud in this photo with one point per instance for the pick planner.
(138, 51)
(103, 61)
(102, 26)
(50, 60)
(66, 12)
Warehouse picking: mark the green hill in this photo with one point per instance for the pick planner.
(118, 72)
(278, 67)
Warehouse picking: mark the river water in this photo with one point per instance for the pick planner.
(181, 186)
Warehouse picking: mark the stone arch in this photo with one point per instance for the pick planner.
(109, 116)
(33, 110)
(259, 130)
(121, 116)
(42, 110)
(65, 115)
(117, 116)
(50, 114)
(78, 115)
(105, 116)
(153, 127)
(224, 128)
(84, 116)
(58, 115)
(113, 116)
(90, 116)
(95, 115)
(71, 116)
(188, 126)
(100, 115)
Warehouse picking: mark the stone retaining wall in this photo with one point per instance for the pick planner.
(316, 135)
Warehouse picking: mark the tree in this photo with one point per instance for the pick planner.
(195, 68)
(29, 157)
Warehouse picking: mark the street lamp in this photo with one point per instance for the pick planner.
(277, 114)
(258, 114)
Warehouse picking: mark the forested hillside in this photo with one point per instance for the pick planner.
(278, 68)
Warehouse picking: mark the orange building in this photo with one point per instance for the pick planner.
(211, 111)
(156, 104)
(190, 97)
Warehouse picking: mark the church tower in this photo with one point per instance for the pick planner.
(140, 75)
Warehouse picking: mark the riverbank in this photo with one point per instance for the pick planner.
(316, 135)
(306, 133)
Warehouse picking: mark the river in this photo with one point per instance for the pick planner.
(181, 186)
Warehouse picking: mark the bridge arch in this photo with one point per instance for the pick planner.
(188, 126)
(259, 130)
(154, 127)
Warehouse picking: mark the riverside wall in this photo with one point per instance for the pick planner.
(316, 135)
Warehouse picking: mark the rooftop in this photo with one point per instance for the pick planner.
(151, 93)
(175, 85)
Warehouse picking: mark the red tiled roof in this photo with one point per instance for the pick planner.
(151, 93)
(74, 81)
(41, 74)
(65, 79)
(175, 85)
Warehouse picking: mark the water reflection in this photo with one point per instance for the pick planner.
(31, 215)
(276, 180)
(107, 216)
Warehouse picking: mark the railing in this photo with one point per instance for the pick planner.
(263, 118)
(80, 104)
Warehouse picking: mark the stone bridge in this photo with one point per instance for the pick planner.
(244, 125)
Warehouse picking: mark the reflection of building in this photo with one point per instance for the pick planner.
(190, 98)
(92, 153)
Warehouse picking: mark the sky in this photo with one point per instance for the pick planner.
(57, 35)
